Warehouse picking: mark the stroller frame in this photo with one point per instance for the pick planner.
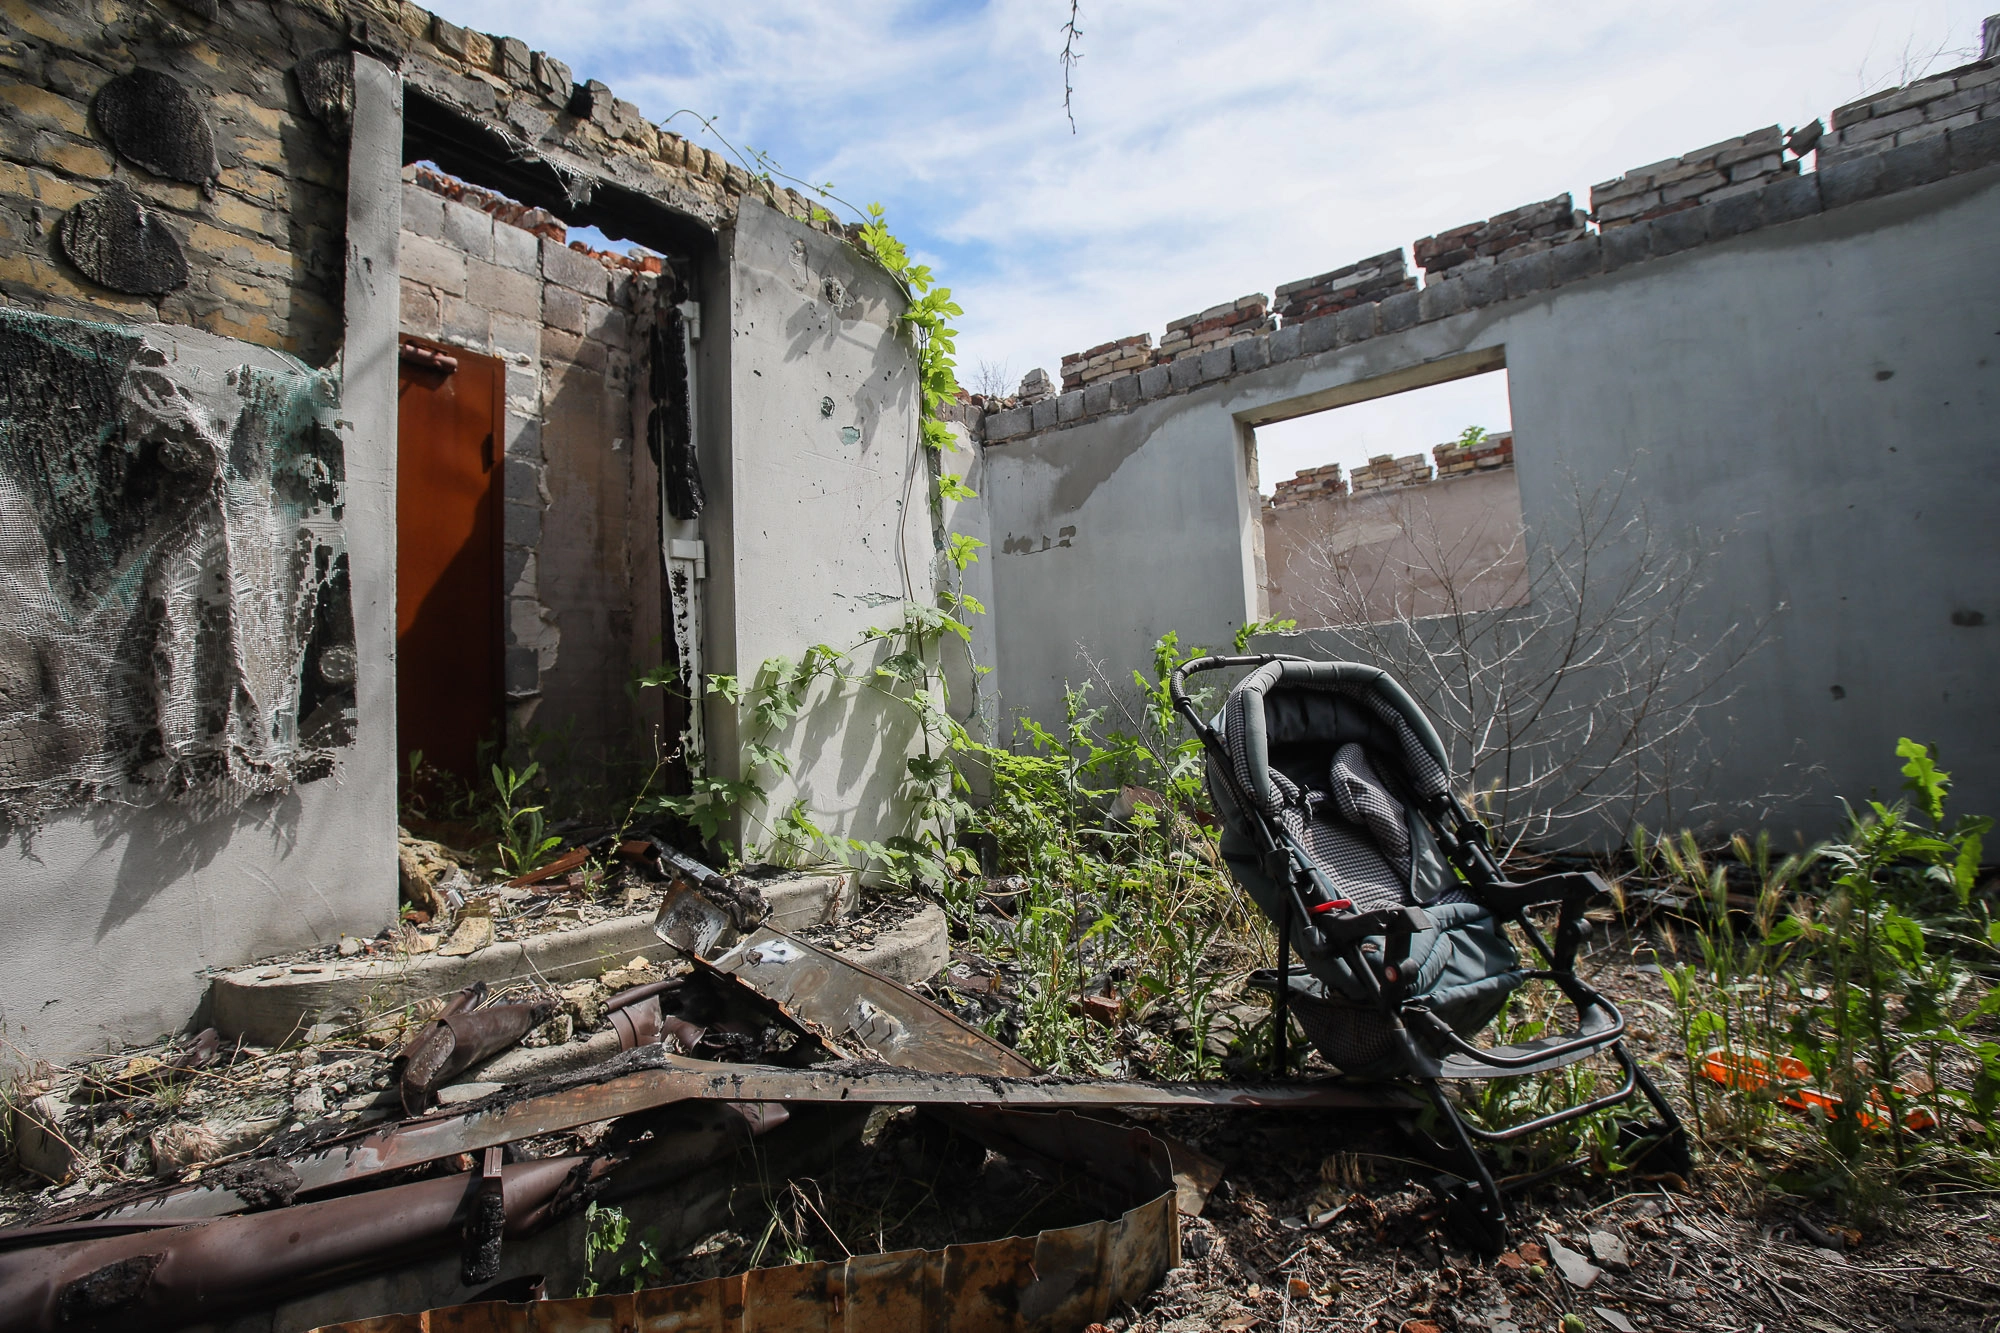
(1330, 926)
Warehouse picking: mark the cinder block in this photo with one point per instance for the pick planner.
(1736, 214)
(431, 262)
(1286, 343)
(1625, 245)
(503, 290)
(1674, 232)
(420, 311)
(1789, 198)
(1396, 313)
(1850, 181)
(1357, 323)
(516, 337)
(523, 437)
(1046, 414)
(516, 249)
(1975, 146)
(1215, 364)
(1439, 299)
(1528, 274)
(604, 322)
(468, 230)
(423, 212)
(1184, 373)
(1006, 425)
(466, 323)
(522, 524)
(1097, 399)
(1251, 354)
(1483, 286)
(1154, 382)
(1069, 407)
(1918, 163)
(571, 269)
(524, 390)
(523, 481)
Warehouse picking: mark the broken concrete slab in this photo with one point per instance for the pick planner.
(266, 1009)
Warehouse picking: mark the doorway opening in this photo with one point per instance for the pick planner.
(449, 637)
(1393, 498)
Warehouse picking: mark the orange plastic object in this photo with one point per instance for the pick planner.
(1751, 1070)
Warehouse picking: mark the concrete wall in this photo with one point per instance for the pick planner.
(1823, 391)
(819, 526)
(1450, 544)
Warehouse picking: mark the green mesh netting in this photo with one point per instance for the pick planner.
(174, 610)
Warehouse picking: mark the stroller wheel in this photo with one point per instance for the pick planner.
(1473, 1220)
(1650, 1148)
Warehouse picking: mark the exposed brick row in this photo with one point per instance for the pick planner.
(1384, 471)
(1112, 358)
(1310, 484)
(1518, 231)
(1734, 166)
(1369, 279)
(1955, 100)
(1768, 198)
(1455, 460)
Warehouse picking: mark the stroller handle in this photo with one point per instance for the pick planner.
(1177, 680)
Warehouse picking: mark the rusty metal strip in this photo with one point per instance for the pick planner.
(1056, 1281)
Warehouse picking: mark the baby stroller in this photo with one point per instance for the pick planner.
(1338, 818)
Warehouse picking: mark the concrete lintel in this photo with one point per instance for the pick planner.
(1441, 370)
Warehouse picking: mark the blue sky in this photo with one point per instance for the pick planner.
(1221, 149)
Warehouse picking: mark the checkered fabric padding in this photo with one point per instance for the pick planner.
(1362, 799)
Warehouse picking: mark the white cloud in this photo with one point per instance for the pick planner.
(1220, 149)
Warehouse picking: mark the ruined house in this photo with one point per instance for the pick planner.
(321, 446)
(1797, 365)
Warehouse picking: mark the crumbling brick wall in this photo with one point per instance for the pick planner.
(1920, 112)
(261, 240)
(1720, 171)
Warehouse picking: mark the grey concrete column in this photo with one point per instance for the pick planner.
(368, 413)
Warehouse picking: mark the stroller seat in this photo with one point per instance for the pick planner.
(1338, 818)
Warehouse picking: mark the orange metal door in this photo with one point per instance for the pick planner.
(448, 595)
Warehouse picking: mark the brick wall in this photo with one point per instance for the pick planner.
(1519, 231)
(262, 241)
(1734, 166)
(1384, 471)
(1925, 110)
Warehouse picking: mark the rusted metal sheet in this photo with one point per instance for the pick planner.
(828, 994)
(460, 1037)
(1056, 1281)
(643, 1079)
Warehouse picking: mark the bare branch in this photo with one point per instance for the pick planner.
(1072, 40)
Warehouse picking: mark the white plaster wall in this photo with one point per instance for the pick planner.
(1825, 391)
(110, 914)
(815, 536)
